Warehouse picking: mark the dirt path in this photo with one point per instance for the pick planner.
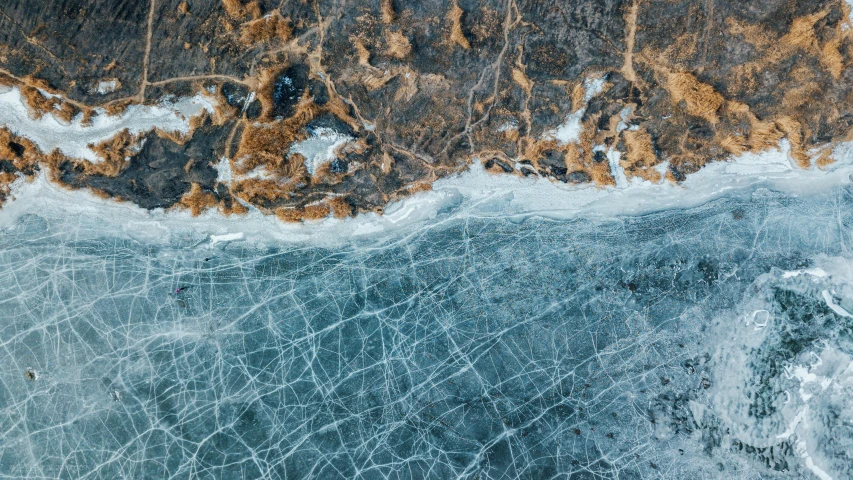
(147, 57)
(631, 27)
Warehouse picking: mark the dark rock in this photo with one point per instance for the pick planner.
(287, 90)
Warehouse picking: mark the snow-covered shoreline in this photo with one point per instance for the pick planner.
(473, 193)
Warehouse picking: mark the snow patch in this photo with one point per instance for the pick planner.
(508, 126)
(223, 171)
(613, 157)
(570, 130)
(72, 139)
(107, 86)
(593, 87)
(320, 148)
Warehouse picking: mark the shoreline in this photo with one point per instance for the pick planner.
(473, 193)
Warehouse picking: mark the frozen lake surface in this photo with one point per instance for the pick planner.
(708, 342)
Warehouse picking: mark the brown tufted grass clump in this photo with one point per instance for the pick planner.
(296, 214)
(270, 28)
(640, 158)
(398, 45)
(454, 18)
(197, 200)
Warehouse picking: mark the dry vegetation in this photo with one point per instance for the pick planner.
(237, 11)
(270, 28)
(197, 200)
(454, 18)
(398, 45)
(640, 158)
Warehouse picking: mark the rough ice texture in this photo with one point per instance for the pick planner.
(477, 347)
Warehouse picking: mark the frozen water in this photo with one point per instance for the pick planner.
(595, 347)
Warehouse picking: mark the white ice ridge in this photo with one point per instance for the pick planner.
(473, 193)
(228, 237)
(827, 297)
(72, 138)
(815, 272)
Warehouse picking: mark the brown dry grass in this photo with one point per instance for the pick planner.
(113, 153)
(37, 103)
(267, 145)
(234, 8)
(408, 87)
(197, 200)
(599, 172)
(419, 187)
(701, 100)
(273, 27)
(184, 8)
(802, 33)
(640, 158)
(376, 79)
(340, 207)
(253, 9)
(30, 155)
(387, 7)
(387, 163)
(337, 107)
(454, 18)
(831, 57)
(398, 45)
(237, 11)
(752, 134)
(24, 161)
(117, 108)
(295, 215)
(794, 132)
(258, 191)
(511, 133)
(578, 97)
(801, 38)
(362, 52)
(265, 94)
(236, 208)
